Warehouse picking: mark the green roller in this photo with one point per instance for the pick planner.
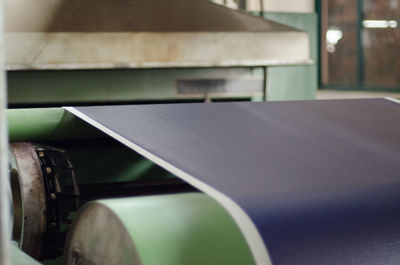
(18, 257)
(41, 124)
(184, 229)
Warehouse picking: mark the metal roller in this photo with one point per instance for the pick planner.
(44, 193)
(16, 200)
(177, 229)
(33, 197)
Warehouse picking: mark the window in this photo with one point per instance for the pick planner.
(360, 43)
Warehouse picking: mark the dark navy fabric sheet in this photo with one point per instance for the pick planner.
(319, 179)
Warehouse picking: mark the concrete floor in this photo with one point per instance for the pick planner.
(341, 94)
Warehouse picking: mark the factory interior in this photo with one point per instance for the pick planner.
(200, 132)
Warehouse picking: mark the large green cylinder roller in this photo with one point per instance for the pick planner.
(18, 257)
(184, 229)
(46, 124)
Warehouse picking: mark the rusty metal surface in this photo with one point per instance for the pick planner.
(17, 206)
(129, 16)
(154, 50)
(33, 198)
(92, 34)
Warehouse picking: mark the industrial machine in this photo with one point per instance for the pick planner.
(59, 165)
(249, 188)
(91, 52)
(50, 184)
(96, 179)
(61, 53)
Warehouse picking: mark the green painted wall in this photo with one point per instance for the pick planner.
(295, 82)
(292, 83)
(117, 85)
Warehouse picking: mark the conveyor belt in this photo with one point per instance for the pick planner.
(312, 182)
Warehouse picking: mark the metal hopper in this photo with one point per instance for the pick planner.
(92, 34)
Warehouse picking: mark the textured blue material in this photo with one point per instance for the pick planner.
(319, 179)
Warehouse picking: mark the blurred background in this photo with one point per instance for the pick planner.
(357, 45)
